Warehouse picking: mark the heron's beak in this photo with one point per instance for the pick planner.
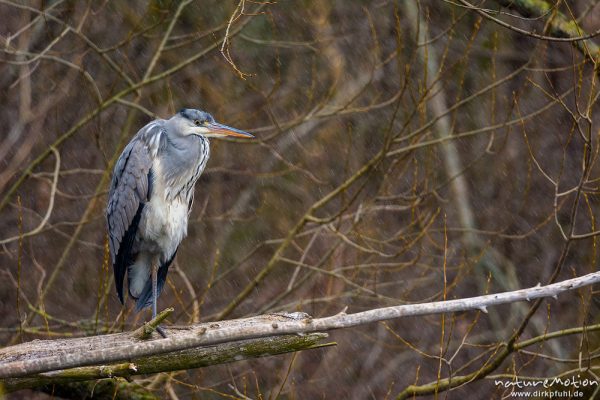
(216, 129)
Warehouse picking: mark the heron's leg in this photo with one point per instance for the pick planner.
(160, 330)
(154, 288)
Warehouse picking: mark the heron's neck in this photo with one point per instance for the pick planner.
(182, 162)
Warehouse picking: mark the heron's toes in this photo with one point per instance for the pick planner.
(161, 331)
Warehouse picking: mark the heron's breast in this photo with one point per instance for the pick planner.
(164, 221)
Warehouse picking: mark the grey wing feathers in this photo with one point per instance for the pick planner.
(130, 189)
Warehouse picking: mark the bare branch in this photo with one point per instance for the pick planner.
(198, 357)
(273, 325)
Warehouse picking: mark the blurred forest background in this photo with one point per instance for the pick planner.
(406, 152)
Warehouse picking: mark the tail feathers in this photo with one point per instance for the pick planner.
(144, 299)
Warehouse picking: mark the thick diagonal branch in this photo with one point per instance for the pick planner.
(196, 357)
(267, 326)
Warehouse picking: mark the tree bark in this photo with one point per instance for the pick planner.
(132, 365)
(126, 354)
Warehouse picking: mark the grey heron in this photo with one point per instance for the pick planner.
(151, 195)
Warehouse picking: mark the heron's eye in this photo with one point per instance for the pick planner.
(197, 122)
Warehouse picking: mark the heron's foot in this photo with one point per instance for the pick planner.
(161, 331)
(145, 331)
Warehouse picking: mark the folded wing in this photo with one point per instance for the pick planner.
(129, 191)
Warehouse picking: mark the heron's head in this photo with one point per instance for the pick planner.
(189, 121)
